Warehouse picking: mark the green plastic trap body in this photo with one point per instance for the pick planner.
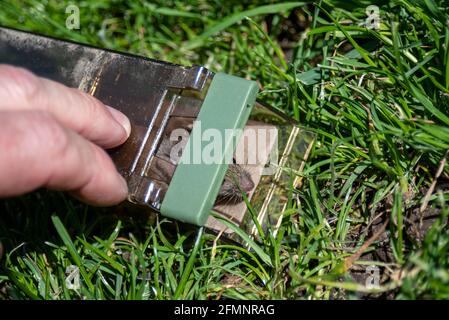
(195, 186)
(159, 98)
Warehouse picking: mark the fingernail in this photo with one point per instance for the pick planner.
(121, 118)
(124, 186)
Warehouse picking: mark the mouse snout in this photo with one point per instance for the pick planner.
(246, 183)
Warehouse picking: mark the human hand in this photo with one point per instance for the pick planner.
(53, 136)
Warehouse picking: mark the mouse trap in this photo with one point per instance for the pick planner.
(200, 142)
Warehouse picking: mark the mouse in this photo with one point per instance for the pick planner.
(237, 179)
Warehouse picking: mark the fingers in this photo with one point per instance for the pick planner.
(37, 151)
(22, 90)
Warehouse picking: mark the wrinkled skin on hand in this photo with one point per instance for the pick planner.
(53, 136)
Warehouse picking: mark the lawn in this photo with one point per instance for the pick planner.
(370, 220)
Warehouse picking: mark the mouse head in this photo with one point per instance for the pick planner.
(236, 182)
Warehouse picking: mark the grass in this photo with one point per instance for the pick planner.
(377, 101)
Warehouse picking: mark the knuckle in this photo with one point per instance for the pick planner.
(19, 82)
(105, 131)
(92, 109)
(92, 105)
(49, 133)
